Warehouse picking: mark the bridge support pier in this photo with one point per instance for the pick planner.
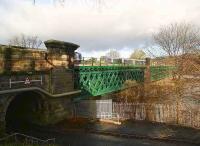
(3, 104)
(55, 110)
(2, 127)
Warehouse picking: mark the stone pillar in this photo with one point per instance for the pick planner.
(61, 51)
(61, 57)
(147, 74)
(2, 123)
(2, 115)
(55, 111)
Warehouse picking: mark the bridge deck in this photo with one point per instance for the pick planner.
(92, 80)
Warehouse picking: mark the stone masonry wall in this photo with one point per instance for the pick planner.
(50, 110)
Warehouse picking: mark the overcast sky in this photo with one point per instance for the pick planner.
(123, 25)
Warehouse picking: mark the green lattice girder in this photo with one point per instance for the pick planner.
(98, 80)
(161, 72)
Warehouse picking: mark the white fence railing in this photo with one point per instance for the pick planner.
(109, 116)
(114, 117)
(177, 114)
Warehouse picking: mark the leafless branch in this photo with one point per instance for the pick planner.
(178, 38)
(26, 41)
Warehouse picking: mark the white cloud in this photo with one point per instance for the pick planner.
(121, 24)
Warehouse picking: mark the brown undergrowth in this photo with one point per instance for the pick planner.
(163, 91)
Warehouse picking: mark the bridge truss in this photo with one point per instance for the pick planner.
(98, 80)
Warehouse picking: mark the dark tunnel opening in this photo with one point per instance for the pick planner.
(22, 111)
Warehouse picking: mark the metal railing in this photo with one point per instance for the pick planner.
(25, 80)
(109, 116)
(18, 137)
(91, 61)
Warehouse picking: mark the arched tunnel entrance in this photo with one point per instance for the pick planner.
(22, 111)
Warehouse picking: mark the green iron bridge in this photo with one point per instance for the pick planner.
(40, 86)
(54, 72)
(86, 80)
(99, 80)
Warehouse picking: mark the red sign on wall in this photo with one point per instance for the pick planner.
(27, 81)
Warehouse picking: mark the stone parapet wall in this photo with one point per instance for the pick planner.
(54, 67)
(57, 54)
(17, 59)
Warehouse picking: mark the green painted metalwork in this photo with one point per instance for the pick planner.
(98, 80)
(161, 72)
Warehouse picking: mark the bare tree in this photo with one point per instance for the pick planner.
(113, 54)
(25, 41)
(138, 54)
(178, 38)
(181, 42)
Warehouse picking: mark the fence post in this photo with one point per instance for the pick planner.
(147, 73)
(92, 61)
(177, 112)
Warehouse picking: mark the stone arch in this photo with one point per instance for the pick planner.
(24, 109)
